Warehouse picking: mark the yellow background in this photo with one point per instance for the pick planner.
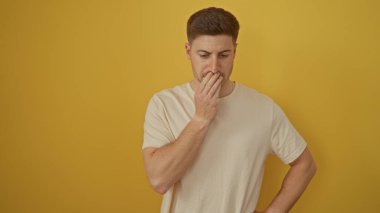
(76, 76)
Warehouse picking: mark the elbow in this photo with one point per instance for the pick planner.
(158, 185)
(313, 169)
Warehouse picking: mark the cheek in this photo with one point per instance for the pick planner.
(199, 66)
(227, 65)
(227, 69)
(229, 62)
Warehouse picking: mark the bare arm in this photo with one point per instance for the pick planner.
(166, 165)
(298, 177)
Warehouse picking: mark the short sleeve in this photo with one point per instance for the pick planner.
(156, 128)
(286, 143)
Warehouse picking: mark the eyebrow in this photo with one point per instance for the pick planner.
(223, 51)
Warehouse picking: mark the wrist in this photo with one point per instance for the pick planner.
(200, 123)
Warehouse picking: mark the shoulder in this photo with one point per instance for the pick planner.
(252, 93)
(170, 93)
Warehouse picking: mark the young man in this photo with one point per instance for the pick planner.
(206, 141)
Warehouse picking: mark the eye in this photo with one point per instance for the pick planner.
(203, 56)
(224, 55)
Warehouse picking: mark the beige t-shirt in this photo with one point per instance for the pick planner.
(226, 175)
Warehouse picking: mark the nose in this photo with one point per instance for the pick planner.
(214, 65)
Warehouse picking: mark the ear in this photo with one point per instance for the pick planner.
(187, 48)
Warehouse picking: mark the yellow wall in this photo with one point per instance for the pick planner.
(75, 78)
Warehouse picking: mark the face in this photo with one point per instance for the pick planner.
(211, 53)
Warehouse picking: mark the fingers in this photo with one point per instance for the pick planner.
(215, 89)
(204, 81)
(210, 83)
(206, 97)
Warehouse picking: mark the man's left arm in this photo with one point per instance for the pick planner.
(295, 182)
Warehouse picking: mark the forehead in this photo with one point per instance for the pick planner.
(212, 42)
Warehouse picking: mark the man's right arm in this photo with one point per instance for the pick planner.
(167, 164)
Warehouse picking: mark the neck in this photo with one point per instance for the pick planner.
(227, 87)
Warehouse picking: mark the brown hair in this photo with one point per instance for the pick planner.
(212, 21)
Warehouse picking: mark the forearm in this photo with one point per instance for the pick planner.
(170, 162)
(294, 184)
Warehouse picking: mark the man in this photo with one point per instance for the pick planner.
(206, 141)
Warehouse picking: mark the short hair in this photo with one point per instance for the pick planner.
(212, 21)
